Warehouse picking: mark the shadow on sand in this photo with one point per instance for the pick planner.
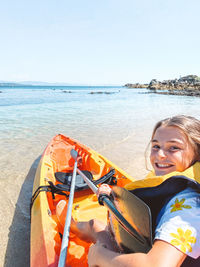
(18, 248)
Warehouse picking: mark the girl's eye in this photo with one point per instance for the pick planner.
(174, 148)
(156, 147)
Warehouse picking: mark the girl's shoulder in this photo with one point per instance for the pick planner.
(178, 222)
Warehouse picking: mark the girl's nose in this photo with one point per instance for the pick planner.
(161, 153)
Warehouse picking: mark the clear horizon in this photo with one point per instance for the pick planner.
(43, 83)
(108, 42)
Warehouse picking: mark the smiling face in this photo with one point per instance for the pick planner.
(170, 151)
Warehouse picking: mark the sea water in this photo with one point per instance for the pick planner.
(113, 120)
(100, 117)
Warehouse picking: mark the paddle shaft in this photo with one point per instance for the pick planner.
(65, 240)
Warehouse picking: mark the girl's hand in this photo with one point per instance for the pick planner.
(104, 189)
(94, 254)
(100, 255)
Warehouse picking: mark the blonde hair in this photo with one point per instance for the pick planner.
(190, 126)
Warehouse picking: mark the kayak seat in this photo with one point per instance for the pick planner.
(64, 180)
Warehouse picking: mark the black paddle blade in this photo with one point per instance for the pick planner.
(138, 214)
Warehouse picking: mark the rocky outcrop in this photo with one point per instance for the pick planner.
(66, 91)
(136, 85)
(102, 92)
(186, 83)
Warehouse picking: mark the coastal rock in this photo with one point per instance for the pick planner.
(102, 92)
(190, 81)
(65, 91)
(187, 85)
(136, 85)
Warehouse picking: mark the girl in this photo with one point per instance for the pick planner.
(175, 152)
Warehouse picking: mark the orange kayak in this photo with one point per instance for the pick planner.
(52, 185)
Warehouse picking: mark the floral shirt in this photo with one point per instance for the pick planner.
(179, 222)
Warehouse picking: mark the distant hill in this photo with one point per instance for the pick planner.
(10, 84)
(31, 83)
(38, 83)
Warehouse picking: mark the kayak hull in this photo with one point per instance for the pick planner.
(46, 230)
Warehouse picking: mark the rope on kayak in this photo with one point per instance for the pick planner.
(47, 188)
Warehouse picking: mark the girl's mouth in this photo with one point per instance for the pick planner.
(163, 165)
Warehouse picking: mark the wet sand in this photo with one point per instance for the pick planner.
(16, 180)
(18, 162)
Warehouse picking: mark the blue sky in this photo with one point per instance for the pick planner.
(99, 41)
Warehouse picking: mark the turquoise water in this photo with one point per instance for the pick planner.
(115, 121)
(45, 111)
(104, 118)
(26, 112)
(97, 115)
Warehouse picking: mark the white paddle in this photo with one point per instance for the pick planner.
(65, 240)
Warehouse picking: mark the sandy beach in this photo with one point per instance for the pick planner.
(16, 184)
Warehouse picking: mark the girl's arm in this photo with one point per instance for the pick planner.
(162, 254)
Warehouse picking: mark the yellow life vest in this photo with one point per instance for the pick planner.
(155, 191)
(152, 180)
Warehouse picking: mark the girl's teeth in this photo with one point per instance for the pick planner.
(163, 165)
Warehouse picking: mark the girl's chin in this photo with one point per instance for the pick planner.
(163, 171)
